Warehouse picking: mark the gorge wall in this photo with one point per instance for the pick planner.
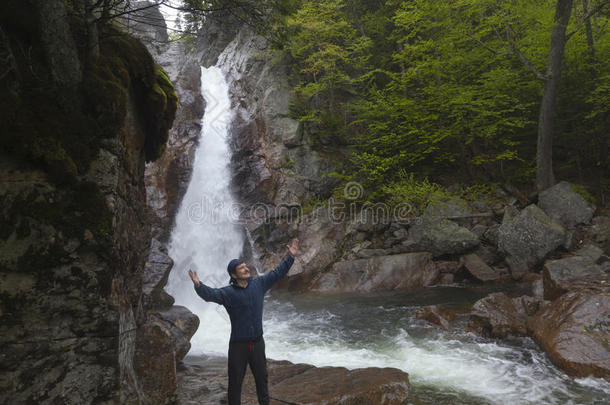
(80, 116)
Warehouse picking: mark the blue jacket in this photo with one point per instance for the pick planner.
(245, 304)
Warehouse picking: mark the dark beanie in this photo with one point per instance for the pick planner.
(233, 265)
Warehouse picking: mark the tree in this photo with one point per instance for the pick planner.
(544, 150)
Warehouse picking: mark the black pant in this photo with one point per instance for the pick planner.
(241, 354)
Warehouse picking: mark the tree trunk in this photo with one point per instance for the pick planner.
(589, 32)
(548, 106)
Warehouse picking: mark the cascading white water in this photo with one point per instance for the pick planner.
(206, 236)
(339, 332)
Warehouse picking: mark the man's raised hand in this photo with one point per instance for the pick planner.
(193, 275)
(293, 248)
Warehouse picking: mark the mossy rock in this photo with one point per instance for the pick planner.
(60, 130)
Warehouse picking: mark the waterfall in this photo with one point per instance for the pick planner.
(207, 234)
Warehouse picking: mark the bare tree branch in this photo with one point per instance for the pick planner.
(490, 49)
(510, 34)
(586, 17)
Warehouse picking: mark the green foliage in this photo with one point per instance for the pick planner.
(417, 193)
(439, 88)
(312, 203)
(480, 192)
(582, 190)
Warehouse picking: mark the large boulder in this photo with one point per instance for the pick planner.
(180, 325)
(564, 205)
(527, 237)
(333, 385)
(379, 273)
(440, 237)
(454, 209)
(498, 315)
(203, 381)
(559, 276)
(573, 330)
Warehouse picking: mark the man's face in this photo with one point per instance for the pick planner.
(242, 272)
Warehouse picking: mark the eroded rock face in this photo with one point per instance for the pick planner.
(574, 331)
(75, 231)
(380, 273)
(71, 283)
(295, 383)
(564, 205)
(527, 237)
(498, 315)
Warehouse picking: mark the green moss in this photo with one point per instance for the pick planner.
(162, 106)
(584, 193)
(60, 129)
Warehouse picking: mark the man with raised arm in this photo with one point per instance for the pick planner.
(243, 300)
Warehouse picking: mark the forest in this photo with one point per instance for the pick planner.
(422, 94)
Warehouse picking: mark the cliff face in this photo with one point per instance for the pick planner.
(75, 234)
(274, 164)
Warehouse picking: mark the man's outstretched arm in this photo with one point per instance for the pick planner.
(209, 294)
(269, 279)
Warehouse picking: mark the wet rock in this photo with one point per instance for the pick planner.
(181, 324)
(440, 237)
(202, 381)
(564, 205)
(435, 315)
(335, 385)
(80, 240)
(380, 273)
(156, 272)
(527, 237)
(155, 362)
(478, 269)
(559, 276)
(573, 330)
(498, 315)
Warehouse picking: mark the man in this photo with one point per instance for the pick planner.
(243, 300)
